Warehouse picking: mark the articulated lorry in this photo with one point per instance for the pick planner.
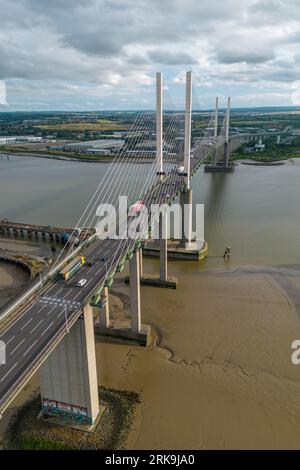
(71, 268)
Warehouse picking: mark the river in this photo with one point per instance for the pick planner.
(221, 376)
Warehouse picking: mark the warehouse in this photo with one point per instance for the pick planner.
(104, 146)
(19, 139)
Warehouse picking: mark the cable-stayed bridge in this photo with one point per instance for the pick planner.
(51, 326)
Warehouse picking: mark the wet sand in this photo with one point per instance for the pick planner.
(39, 248)
(221, 376)
(12, 278)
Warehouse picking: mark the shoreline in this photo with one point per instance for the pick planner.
(231, 358)
(110, 159)
(72, 158)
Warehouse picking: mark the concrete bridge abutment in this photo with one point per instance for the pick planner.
(68, 378)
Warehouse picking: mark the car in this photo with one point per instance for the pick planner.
(81, 283)
(114, 237)
(136, 207)
(91, 263)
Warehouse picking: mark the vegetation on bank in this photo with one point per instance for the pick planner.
(25, 431)
(273, 152)
(9, 149)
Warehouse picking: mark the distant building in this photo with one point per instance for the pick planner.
(19, 139)
(256, 148)
(104, 146)
(7, 140)
(259, 147)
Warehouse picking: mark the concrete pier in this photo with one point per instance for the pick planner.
(135, 292)
(163, 239)
(161, 280)
(196, 252)
(68, 378)
(186, 201)
(104, 311)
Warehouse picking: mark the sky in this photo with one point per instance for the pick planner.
(103, 54)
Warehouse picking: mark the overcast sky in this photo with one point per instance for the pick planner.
(103, 54)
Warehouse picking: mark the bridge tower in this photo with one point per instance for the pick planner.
(162, 241)
(221, 164)
(186, 196)
(183, 248)
(215, 155)
(68, 377)
(159, 126)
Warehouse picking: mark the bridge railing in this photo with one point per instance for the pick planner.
(6, 311)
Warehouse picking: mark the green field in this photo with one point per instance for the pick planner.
(272, 152)
(99, 125)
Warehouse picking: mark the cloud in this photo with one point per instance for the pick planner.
(160, 56)
(251, 56)
(111, 48)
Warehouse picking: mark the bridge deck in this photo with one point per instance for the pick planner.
(7, 224)
(34, 333)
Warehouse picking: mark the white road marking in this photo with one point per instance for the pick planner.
(8, 372)
(47, 328)
(29, 348)
(75, 296)
(36, 326)
(22, 328)
(17, 346)
(6, 344)
(51, 310)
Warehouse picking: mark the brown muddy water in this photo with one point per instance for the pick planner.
(221, 375)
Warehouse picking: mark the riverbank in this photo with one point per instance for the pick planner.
(221, 374)
(56, 156)
(12, 280)
(83, 158)
(17, 269)
(26, 432)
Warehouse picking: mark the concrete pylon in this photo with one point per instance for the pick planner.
(104, 311)
(226, 146)
(159, 126)
(135, 292)
(216, 118)
(141, 262)
(163, 240)
(186, 199)
(187, 128)
(186, 202)
(215, 156)
(68, 378)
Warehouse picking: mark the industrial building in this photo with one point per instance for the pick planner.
(101, 146)
(20, 139)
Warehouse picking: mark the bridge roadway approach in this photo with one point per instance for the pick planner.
(38, 329)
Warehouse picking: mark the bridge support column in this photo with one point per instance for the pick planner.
(104, 311)
(68, 378)
(135, 292)
(226, 145)
(162, 248)
(221, 165)
(163, 240)
(186, 202)
(141, 262)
